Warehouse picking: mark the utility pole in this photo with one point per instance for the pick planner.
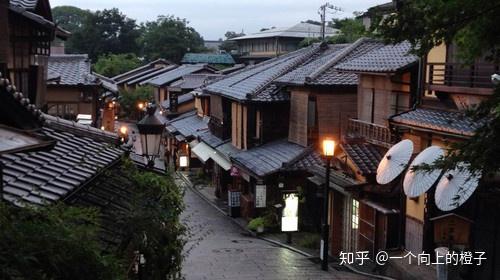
(322, 13)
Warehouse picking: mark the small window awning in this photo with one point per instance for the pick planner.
(202, 151)
(220, 160)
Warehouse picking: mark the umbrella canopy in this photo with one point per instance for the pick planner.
(455, 187)
(418, 182)
(394, 161)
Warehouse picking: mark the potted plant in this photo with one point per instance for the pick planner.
(257, 225)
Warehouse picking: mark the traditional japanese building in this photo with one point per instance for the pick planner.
(387, 84)
(215, 59)
(273, 42)
(131, 79)
(450, 88)
(72, 89)
(26, 29)
(162, 82)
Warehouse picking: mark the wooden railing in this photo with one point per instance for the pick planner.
(372, 133)
(477, 75)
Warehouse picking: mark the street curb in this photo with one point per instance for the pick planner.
(274, 242)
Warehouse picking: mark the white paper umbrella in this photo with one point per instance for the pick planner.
(455, 187)
(418, 182)
(394, 161)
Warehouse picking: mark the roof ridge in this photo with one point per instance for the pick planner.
(343, 53)
(80, 129)
(23, 101)
(301, 59)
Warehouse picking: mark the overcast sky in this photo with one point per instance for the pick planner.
(212, 18)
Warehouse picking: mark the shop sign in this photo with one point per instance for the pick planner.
(260, 196)
(290, 216)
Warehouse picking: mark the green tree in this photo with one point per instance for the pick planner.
(227, 45)
(170, 38)
(115, 64)
(63, 242)
(472, 26)
(106, 32)
(130, 98)
(53, 242)
(351, 29)
(69, 17)
(152, 224)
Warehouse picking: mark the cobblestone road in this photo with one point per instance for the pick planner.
(219, 249)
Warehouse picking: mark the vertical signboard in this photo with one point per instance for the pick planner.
(290, 217)
(260, 196)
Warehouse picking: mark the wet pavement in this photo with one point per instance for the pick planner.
(219, 249)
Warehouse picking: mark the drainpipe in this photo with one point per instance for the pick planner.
(421, 81)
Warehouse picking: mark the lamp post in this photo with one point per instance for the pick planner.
(150, 132)
(328, 152)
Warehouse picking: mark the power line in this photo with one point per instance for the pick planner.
(322, 13)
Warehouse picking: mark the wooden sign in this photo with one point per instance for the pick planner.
(260, 196)
(451, 229)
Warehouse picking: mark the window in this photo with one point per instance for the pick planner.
(355, 214)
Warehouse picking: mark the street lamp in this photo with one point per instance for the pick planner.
(123, 133)
(328, 153)
(151, 131)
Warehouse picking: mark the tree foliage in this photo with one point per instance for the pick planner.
(98, 33)
(114, 64)
(170, 38)
(471, 25)
(130, 98)
(227, 45)
(53, 242)
(351, 29)
(152, 224)
(70, 18)
(63, 242)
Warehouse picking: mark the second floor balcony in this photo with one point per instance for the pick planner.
(460, 78)
(372, 133)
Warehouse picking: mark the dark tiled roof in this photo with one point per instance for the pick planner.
(386, 59)
(193, 81)
(26, 4)
(231, 69)
(247, 83)
(320, 70)
(327, 73)
(211, 58)
(181, 99)
(40, 177)
(268, 158)
(313, 163)
(47, 176)
(147, 75)
(444, 121)
(72, 69)
(106, 82)
(210, 139)
(80, 129)
(365, 156)
(298, 76)
(175, 74)
(141, 69)
(189, 124)
(26, 8)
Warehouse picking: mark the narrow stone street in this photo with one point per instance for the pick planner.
(219, 249)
